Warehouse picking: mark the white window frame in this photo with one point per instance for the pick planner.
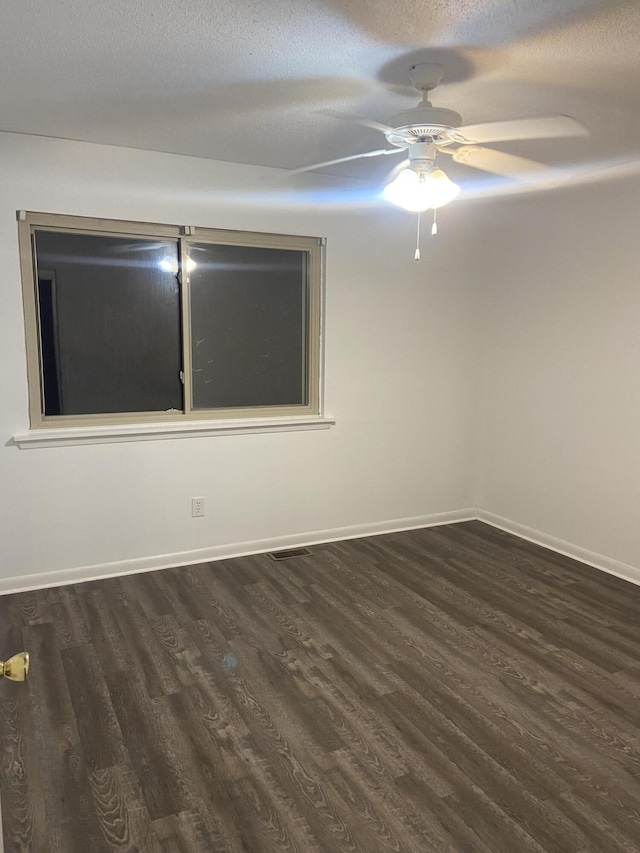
(124, 426)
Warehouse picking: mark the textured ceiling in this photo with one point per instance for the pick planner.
(245, 82)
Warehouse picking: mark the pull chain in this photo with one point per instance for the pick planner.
(434, 227)
(417, 254)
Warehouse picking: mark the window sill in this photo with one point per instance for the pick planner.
(60, 437)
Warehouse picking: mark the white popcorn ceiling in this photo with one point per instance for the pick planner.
(244, 81)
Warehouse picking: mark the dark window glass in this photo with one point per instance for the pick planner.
(109, 317)
(249, 311)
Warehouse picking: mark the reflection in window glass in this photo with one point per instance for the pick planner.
(249, 310)
(109, 319)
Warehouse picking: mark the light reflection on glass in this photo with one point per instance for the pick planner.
(171, 265)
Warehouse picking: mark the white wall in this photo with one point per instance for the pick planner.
(400, 374)
(500, 372)
(560, 439)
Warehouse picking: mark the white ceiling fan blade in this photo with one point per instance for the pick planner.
(499, 163)
(378, 153)
(541, 127)
(365, 122)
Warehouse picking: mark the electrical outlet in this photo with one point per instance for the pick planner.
(197, 507)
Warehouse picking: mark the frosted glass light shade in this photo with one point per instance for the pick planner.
(420, 191)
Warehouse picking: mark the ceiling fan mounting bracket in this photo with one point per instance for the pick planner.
(425, 76)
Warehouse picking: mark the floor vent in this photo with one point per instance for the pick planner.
(290, 552)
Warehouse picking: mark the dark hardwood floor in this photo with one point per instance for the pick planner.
(450, 689)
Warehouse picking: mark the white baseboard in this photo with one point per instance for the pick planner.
(80, 574)
(591, 558)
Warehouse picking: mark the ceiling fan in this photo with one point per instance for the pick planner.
(417, 184)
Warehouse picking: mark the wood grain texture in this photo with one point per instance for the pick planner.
(449, 689)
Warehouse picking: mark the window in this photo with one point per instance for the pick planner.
(129, 322)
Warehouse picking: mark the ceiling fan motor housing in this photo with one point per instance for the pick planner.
(421, 124)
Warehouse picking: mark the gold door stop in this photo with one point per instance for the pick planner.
(16, 668)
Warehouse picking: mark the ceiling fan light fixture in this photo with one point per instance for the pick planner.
(421, 189)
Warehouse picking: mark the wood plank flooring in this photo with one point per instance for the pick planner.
(450, 689)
